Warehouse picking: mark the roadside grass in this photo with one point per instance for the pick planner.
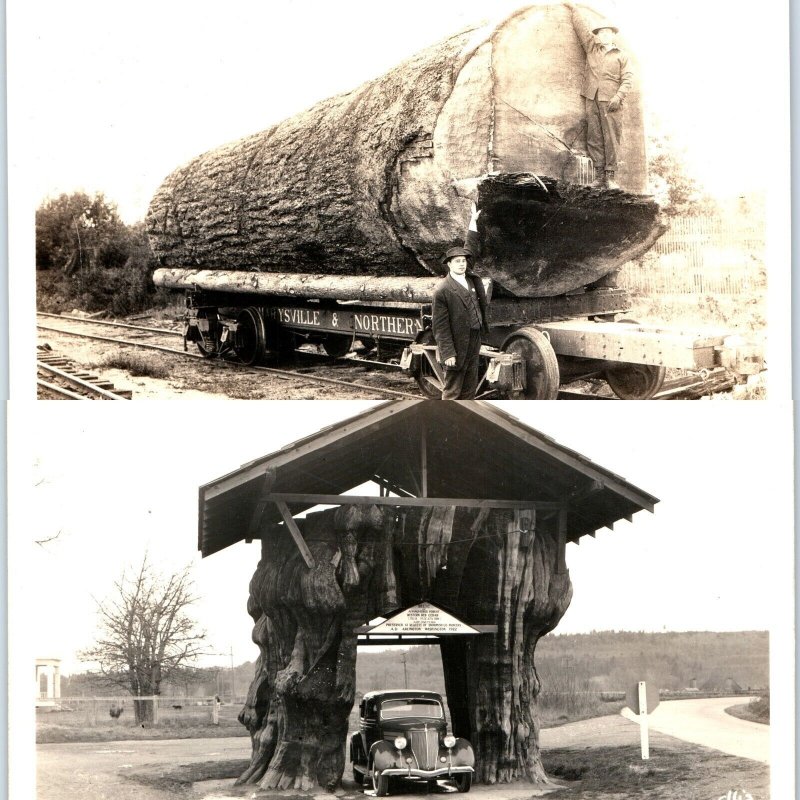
(757, 710)
(680, 772)
(53, 733)
(61, 727)
(136, 364)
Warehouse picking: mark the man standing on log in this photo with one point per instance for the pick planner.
(459, 319)
(607, 79)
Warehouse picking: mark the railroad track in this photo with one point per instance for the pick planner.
(59, 377)
(684, 387)
(304, 374)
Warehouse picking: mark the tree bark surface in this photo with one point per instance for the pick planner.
(487, 567)
(372, 182)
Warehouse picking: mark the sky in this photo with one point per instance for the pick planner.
(715, 555)
(113, 97)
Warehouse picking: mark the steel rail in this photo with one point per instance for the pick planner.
(88, 386)
(60, 390)
(284, 374)
(110, 324)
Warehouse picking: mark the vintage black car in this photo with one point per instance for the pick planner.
(403, 735)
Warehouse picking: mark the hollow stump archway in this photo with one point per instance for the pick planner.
(491, 567)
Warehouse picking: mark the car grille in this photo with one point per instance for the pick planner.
(425, 747)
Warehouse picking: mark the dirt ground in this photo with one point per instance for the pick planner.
(589, 760)
(193, 379)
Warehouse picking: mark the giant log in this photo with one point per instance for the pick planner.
(489, 567)
(372, 182)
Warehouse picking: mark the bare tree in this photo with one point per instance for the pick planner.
(145, 635)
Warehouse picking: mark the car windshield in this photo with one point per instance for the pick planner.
(411, 707)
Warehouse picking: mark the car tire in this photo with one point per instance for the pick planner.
(381, 785)
(463, 781)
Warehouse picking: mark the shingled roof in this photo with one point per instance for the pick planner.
(472, 451)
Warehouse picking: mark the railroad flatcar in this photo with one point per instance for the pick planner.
(330, 226)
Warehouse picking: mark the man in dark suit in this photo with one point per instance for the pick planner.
(459, 319)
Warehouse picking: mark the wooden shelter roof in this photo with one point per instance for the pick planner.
(427, 453)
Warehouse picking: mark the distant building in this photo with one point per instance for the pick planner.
(48, 682)
(718, 684)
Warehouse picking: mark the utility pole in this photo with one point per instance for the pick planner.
(405, 671)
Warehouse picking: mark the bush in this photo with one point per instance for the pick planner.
(759, 707)
(135, 364)
(87, 258)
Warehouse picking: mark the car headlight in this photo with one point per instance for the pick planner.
(449, 741)
(400, 742)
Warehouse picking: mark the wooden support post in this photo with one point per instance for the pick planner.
(291, 526)
(423, 453)
(562, 541)
(258, 511)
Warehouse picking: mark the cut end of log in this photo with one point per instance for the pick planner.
(542, 236)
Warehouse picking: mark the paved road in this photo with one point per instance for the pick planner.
(91, 771)
(704, 721)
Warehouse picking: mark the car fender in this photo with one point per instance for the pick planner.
(383, 755)
(462, 754)
(357, 753)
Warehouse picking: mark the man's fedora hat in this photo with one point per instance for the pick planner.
(454, 252)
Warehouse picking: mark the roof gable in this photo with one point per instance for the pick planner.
(418, 449)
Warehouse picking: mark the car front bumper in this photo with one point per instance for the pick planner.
(427, 774)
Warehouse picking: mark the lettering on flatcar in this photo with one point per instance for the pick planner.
(387, 324)
(299, 316)
(379, 323)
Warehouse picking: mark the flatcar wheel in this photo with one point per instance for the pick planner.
(337, 345)
(430, 378)
(635, 381)
(463, 781)
(542, 377)
(250, 338)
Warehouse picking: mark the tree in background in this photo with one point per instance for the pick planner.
(87, 257)
(679, 194)
(76, 232)
(145, 634)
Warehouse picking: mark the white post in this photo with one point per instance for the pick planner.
(643, 723)
(215, 710)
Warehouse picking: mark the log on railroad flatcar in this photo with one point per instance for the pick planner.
(372, 182)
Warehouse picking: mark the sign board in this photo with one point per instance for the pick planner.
(651, 693)
(422, 619)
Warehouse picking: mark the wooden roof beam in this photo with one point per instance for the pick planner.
(309, 500)
(291, 526)
(392, 487)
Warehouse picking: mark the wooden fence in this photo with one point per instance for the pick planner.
(701, 255)
(170, 711)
